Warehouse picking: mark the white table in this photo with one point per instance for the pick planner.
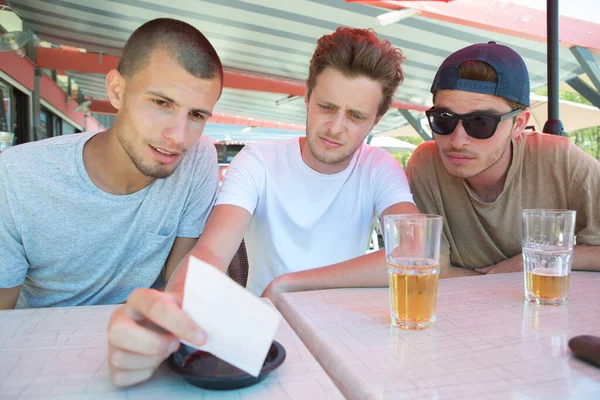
(487, 343)
(61, 353)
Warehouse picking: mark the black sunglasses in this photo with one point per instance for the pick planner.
(478, 125)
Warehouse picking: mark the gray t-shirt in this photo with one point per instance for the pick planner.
(70, 243)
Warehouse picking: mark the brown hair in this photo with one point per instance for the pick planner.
(481, 71)
(358, 52)
(182, 41)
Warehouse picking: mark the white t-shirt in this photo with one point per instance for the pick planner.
(303, 219)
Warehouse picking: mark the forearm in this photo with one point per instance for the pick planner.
(447, 270)
(586, 258)
(368, 270)
(451, 271)
(364, 271)
(9, 297)
(177, 281)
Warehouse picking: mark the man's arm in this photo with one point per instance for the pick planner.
(218, 243)
(148, 327)
(13, 259)
(585, 258)
(181, 247)
(9, 297)
(449, 271)
(368, 270)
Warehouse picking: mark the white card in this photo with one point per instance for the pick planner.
(240, 326)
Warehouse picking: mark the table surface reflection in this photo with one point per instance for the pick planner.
(487, 343)
(60, 353)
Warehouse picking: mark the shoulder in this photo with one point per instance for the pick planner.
(542, 143)
(270, 147)
(425, 151)
(553, 148)
(40, 152)
(269, 152)
(561, 155)
(205, 145)
(424, 161)
(368, 152)
(374, 156)
(202, 154)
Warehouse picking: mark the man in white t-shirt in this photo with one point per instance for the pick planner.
(304, 206)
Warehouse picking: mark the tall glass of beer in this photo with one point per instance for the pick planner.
(412, 249)
(548, 238)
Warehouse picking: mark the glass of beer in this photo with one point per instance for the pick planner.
(412, 249)
(548, 238)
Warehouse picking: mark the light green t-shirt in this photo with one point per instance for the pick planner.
(546, 171)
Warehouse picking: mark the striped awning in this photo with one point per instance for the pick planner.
(273, 38)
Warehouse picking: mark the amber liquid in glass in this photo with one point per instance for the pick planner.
(413, 293)
(548, 286)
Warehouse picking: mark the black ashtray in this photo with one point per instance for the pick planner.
(207, 371)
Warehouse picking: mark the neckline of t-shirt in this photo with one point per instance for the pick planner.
(309, 171)
(517, 151)
(88, 181)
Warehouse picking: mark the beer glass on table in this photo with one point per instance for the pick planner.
(547, 242)
(412, 249)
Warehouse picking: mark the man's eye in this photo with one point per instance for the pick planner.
(198, 116)
(160, 102)
(324, 107)
(357, 117)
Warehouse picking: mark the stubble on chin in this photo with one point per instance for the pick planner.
(152, 171)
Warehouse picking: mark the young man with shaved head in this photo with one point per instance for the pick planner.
(87, 218)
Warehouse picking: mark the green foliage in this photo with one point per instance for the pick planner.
(416, 140)
(587, 139)
(404, 156)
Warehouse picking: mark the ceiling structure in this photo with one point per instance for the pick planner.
(269, 43)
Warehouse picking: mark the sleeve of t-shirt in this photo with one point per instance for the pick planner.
(416, 171)
(584, 196)
(390, 183)
(206, 182)
(243, 180)
(13, 261)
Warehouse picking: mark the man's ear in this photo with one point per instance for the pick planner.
(115, 88)
(521, 123)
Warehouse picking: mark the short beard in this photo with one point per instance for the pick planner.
(157, 171)
(497, 155)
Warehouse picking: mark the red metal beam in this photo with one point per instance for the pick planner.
(234, 80)
(498, 16)
(104, 107)
(22, 70)
(408, 106)
(60, 59)
(69, 60)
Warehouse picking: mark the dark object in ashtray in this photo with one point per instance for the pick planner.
(207, 371)
(587, 348)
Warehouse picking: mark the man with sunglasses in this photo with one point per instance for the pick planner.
(483, 168)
